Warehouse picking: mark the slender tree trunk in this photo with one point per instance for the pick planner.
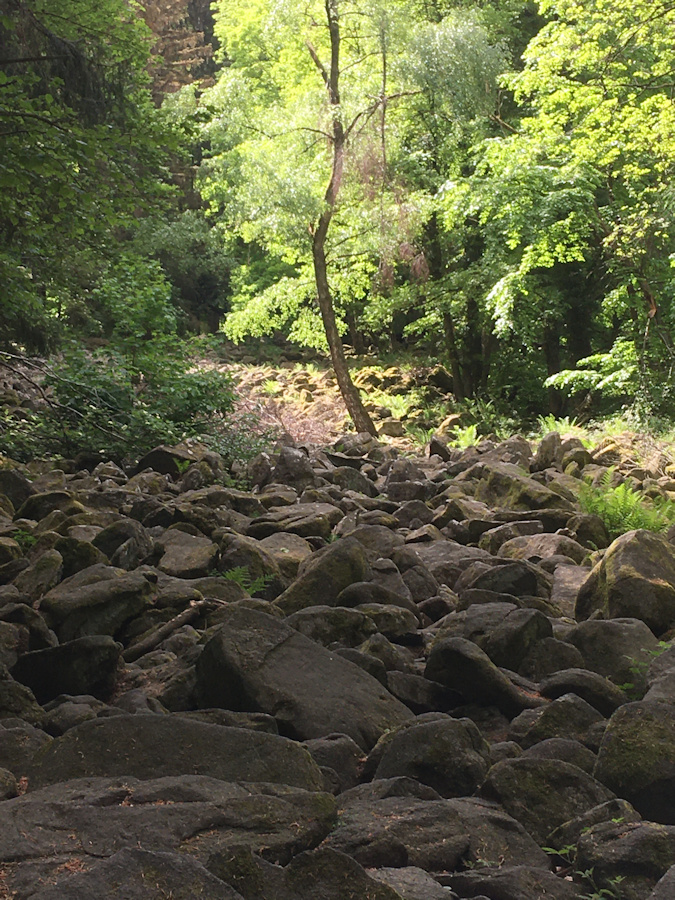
(350, 394)
(451, 351)
(552, 354)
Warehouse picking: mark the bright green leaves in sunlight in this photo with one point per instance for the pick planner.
(270, 144)
(575, 205)
(81, 147)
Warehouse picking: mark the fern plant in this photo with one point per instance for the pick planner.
(623, 509)
(242, 576)
(466, 437)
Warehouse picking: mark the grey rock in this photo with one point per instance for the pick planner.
(257, 662)
(542, 793)
(447, 754)
(461, 665)
(87, 665)
(636, 759)
(149, 746)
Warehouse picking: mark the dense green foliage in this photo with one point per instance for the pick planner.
(517, 225)
(120, 405)
(496, 175)
(624, 509)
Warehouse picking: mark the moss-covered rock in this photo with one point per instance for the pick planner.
(506, 486)
(449, 755)
(18, 701)
(257, 662)
(637, 758)
(637, 853)
(636, 579)
(542, 793)
(323, 575)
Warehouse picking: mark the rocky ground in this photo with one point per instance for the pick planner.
(300, 398)
(369, 676)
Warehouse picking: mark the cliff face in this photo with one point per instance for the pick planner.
(185, 43)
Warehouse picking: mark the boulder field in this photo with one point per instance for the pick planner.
(366, 677)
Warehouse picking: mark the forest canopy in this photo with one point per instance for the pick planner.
(487, 184)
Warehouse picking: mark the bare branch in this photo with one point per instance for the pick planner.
(317, 62)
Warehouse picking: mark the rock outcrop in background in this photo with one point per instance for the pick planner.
(185, 43)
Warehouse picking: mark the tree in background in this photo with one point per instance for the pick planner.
(82, 152)
(306, 137)
(575, 207)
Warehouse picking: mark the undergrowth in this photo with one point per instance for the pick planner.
(624, 509)
(119, 405)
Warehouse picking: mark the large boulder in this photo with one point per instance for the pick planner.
(542, 793)
(303, 519)
(19, 741)
(321, 874)
(566, 716)
(511, 641)
(448, 754)
(630, 856)
(435, 835)
(186, 555)
(505, 485)
(247, 555)
(514, 883)
(151, 746)
(636, 759)
(134, 874)
(87, 665)
(543, 546)
(38, 506)
(97, 600)
(461, 665)
(17, 701)
(257, 662)
(126, 543)
(325, 574)
(71, 826)
(634, 579)
(619, 649)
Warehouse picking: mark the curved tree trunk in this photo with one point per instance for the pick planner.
(350, 394)
(331, 77)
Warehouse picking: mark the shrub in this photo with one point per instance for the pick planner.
(623, 509)
(111, 404)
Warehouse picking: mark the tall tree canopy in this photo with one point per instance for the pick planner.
(308, 148)
(575, 209)
(80, 146)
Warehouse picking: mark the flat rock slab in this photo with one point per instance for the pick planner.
(72, 825)
(186, 555)
(436, 835)
(97, 600)
(258, 663)
(303, 519)
(149, 746)
(135, 874)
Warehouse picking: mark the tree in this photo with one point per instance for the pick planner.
(81, 149)
(306, 138)
(575, 207)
